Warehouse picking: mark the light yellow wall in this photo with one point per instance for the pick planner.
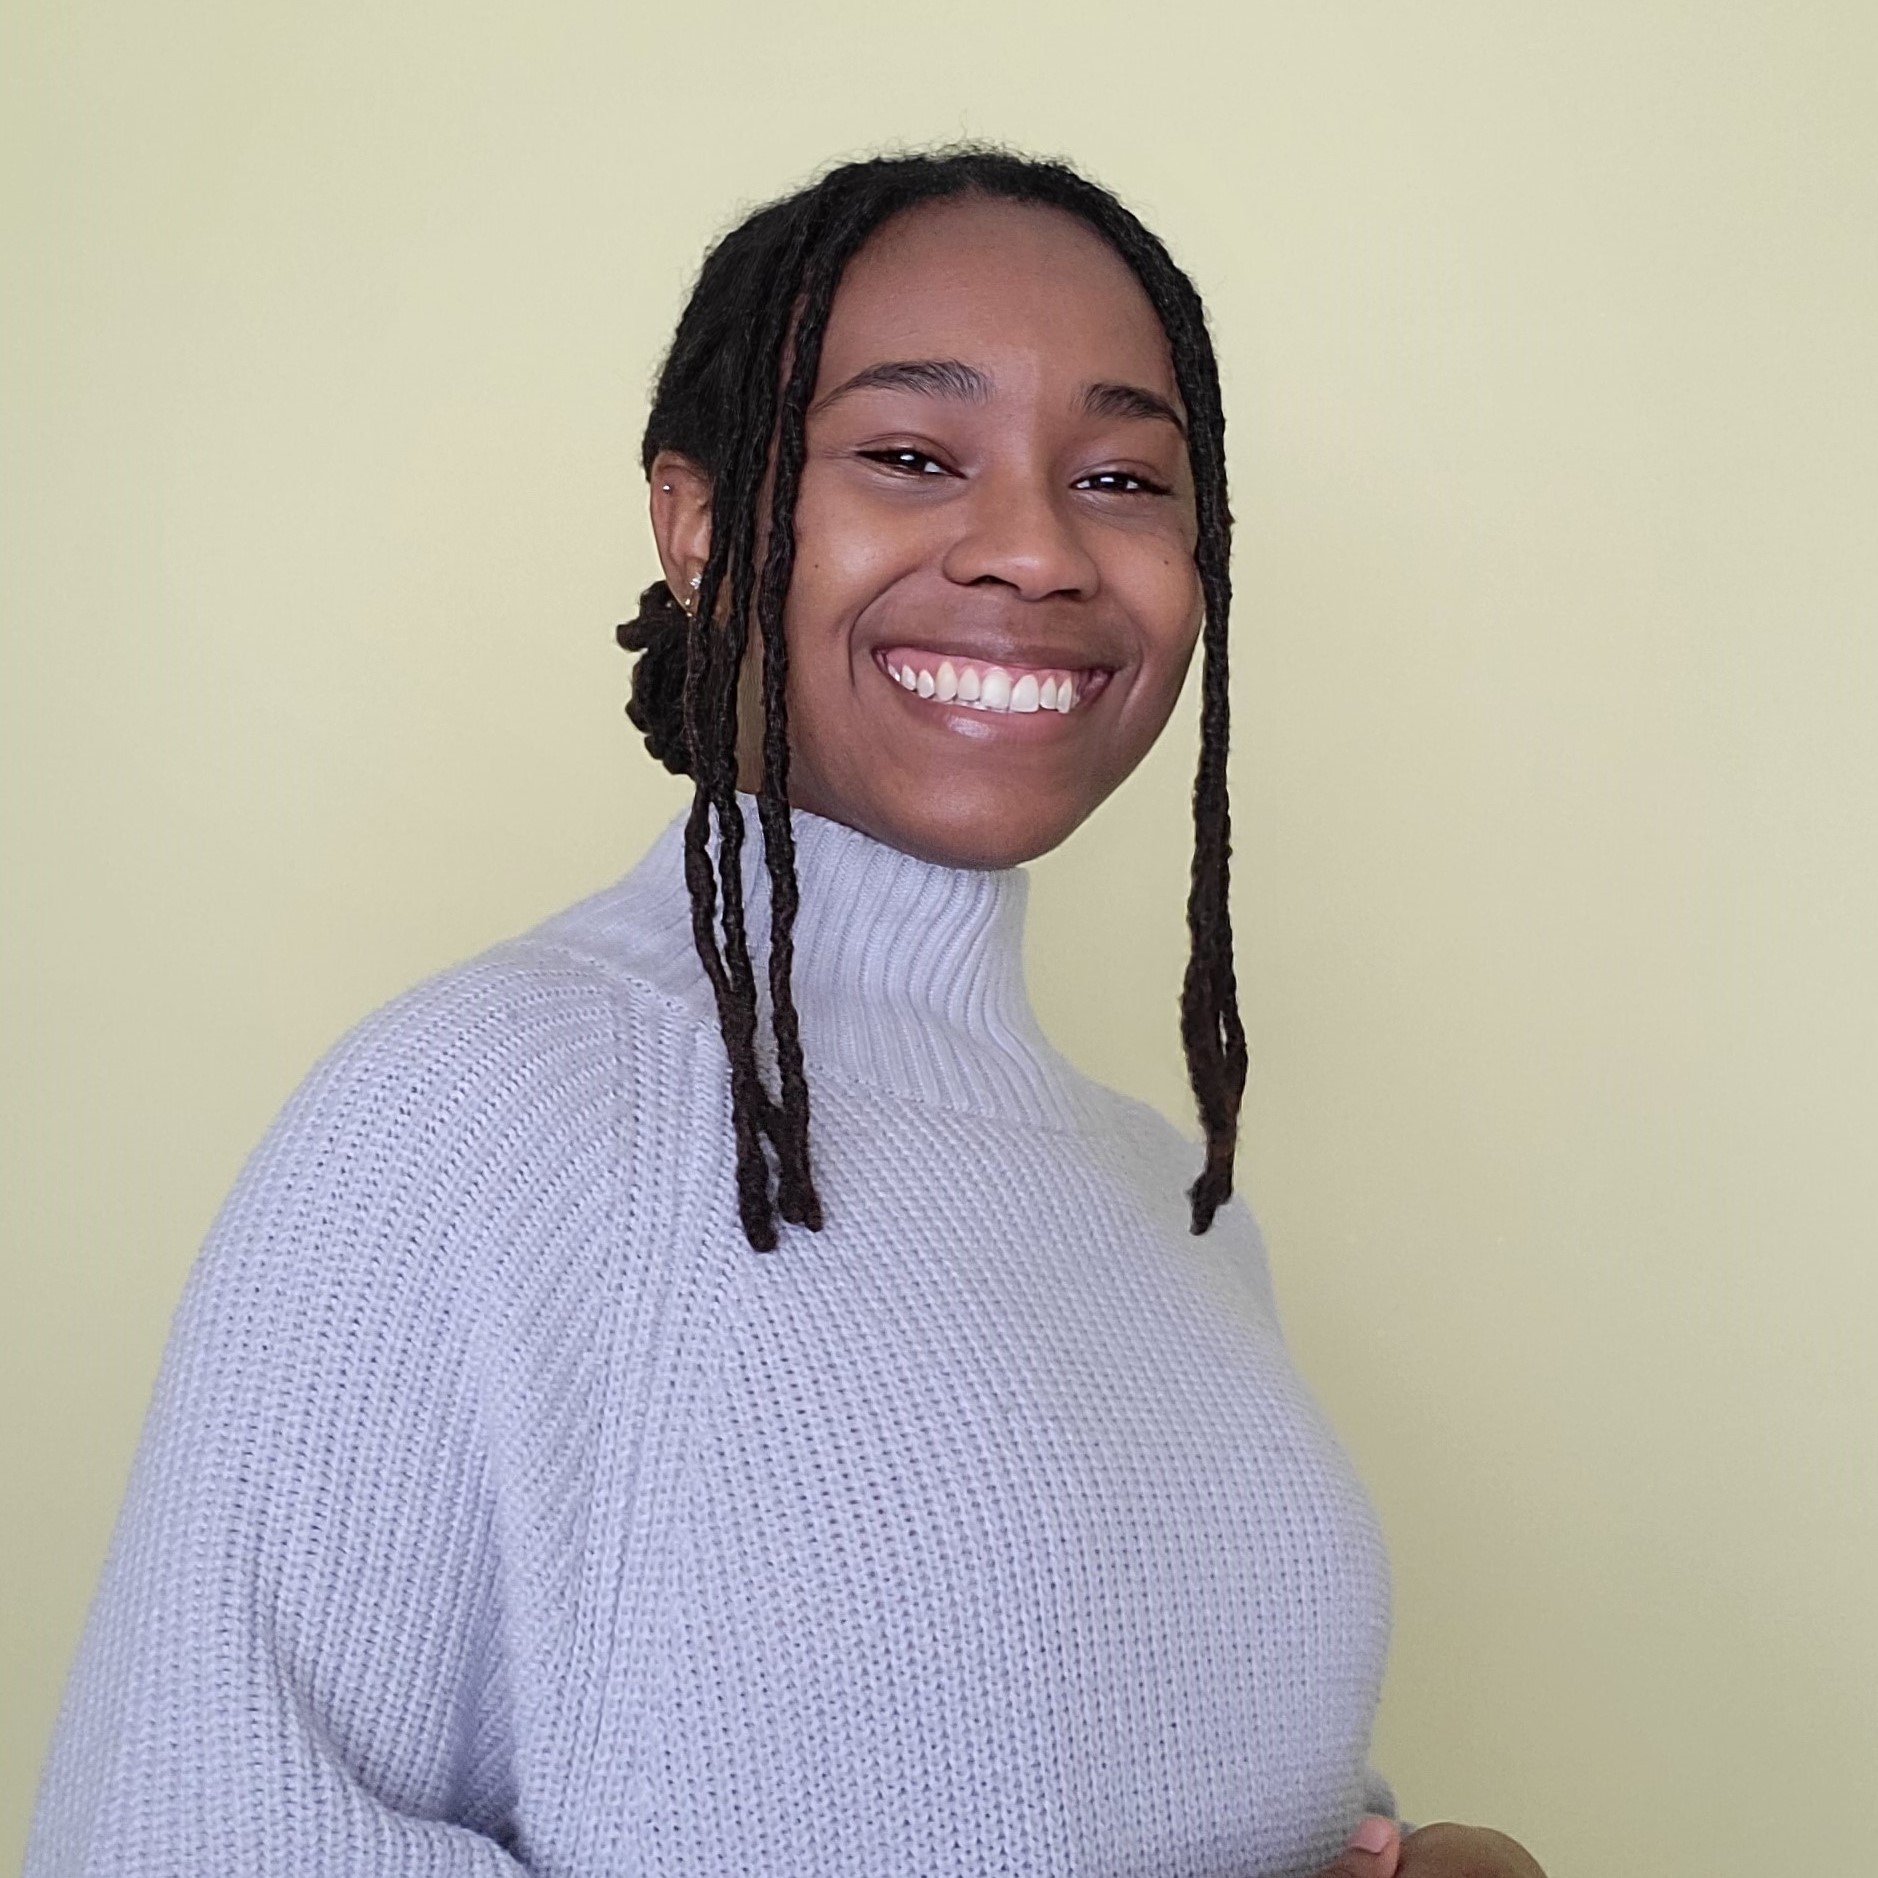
(1550, 339)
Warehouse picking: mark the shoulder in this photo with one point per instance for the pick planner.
(469, 1131)
(515, 1046)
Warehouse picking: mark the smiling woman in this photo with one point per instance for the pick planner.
(1002, 441)
(1024, 513)
(498, 1510)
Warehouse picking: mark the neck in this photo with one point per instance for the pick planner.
(908, 976)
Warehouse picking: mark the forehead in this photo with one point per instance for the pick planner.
(1025, 292)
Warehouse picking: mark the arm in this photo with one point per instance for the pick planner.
(289, 1669)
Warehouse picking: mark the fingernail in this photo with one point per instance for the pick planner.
(1373, 1834)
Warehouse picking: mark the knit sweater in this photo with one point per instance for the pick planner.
(499, 1510)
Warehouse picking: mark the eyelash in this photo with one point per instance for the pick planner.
(896, 459)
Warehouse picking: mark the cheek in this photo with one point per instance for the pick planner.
(1161, 589)
(846, 556)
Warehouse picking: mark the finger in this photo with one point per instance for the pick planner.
(1373, 1850)
(1446, 1847)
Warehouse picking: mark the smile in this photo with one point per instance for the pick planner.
(979, 685)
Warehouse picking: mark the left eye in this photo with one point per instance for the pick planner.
(1119, 483)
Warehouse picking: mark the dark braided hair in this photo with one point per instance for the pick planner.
(759, 309)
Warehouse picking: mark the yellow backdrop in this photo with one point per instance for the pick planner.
(1550, 342)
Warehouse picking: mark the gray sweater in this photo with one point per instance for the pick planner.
(499, 1510)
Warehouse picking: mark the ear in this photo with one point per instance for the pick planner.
(681, 519)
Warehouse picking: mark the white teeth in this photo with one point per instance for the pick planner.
(993, 689)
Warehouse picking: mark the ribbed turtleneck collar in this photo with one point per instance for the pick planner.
(908, 976)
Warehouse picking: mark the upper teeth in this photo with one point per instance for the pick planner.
(985, 687)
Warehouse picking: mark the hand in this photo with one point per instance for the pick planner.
(1378, 1850)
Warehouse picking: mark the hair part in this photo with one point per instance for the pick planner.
(760, 308)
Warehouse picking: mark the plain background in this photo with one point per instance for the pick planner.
(1550, 340)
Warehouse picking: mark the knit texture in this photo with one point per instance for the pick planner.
(499, 1510)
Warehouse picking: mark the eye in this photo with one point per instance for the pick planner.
(1120, 483)
(907, 462)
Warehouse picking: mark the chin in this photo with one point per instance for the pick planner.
(991, 834)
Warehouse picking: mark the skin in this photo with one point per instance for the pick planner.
(1039, 521)
(1439, 1851)
(1016, 525)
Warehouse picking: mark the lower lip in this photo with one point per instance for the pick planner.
(978, 722)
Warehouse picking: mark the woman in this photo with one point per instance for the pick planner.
(500, 1509)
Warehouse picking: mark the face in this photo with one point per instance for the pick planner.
(994, 601)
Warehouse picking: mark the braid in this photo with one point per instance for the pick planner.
(717, 647)
(1210, 1026)
(710, 699)
(796, 1196)
(715, 655)
(732, 397)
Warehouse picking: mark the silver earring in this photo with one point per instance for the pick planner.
(666, 487)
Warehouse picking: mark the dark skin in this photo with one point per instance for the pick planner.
(1441, 1851)
(1024, 502)
(996, 477)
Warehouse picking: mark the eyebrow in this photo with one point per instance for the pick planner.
(966, 384)
(1130, 401)
(935, 378)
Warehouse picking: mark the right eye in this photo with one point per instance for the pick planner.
(907, 462)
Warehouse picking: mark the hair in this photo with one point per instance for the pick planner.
(731, 397)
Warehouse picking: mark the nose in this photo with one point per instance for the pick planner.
(1019, 534)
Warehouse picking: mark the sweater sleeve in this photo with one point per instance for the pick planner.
(291, 1668)
(1379, 1797)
